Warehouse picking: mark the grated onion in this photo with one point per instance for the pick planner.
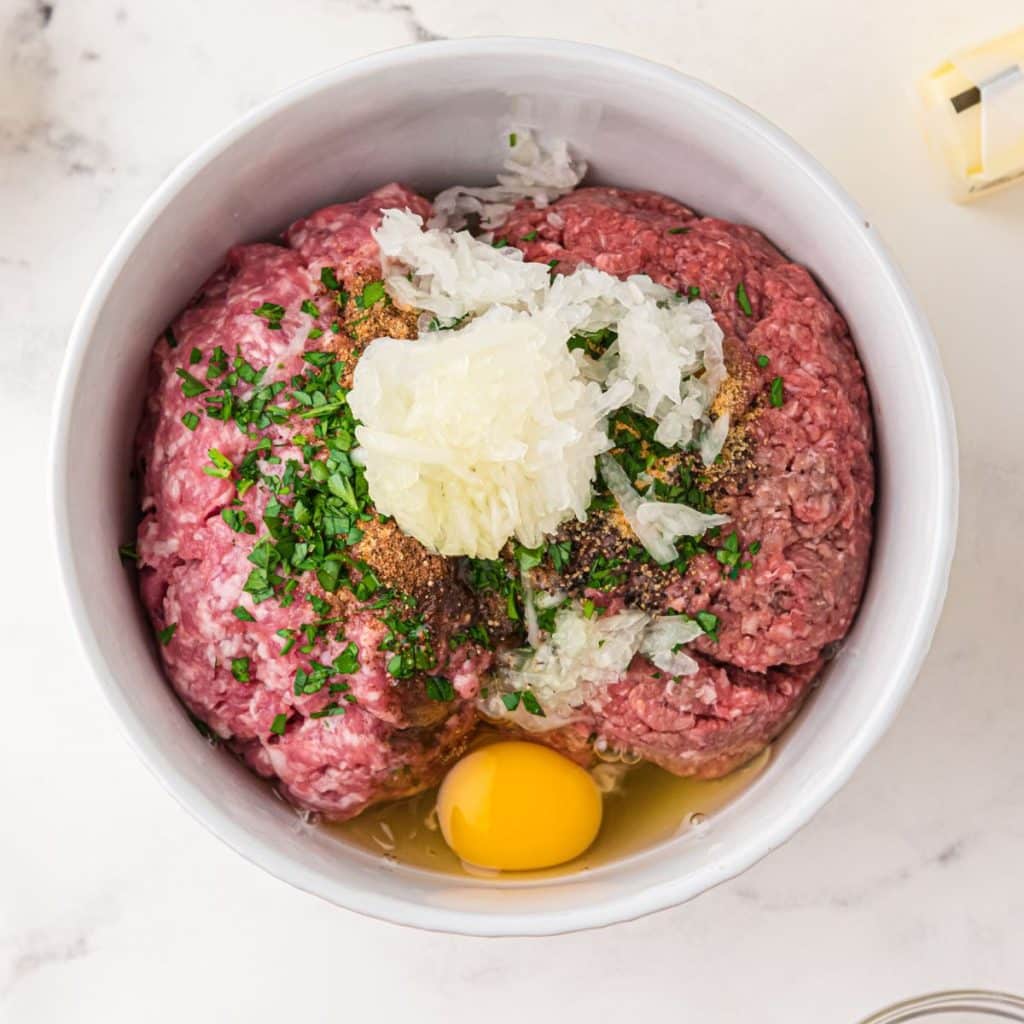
(657, 524)
(583, 654)
(473, 436)
(535, 169)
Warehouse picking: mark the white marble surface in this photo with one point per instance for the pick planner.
(115, 905)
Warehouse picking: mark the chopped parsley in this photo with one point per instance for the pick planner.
(310, 307)
(329, 712)
(763, 360)
(278, 724)
(487, 574)
(221, 466)
(330, 280)
(190, 387)
(172, 341)
(475, 634)
(128, 553)
(500, 243)
(777, 393)
(288, 635)
(408, 639)
(237, 520)
(167, 633)
(560, 553)
(240, 669)
(372, 293)
(348, 661)
(678, 231)
(272, 313)
(529, 558)
(709, 623)
(242, 613)
(526, 698)
(530, 236)
(732, 557)
(191, 420)
(605, 574)
(552, 264)
(437, 325)
(546, 616)
(194, 356)
(693, 292)
(440, 689)
(743, 300)
(203, 729)
(593, 343)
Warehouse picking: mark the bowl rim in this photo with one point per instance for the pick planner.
(631, 903)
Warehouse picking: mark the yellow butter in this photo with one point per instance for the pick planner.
(973, 106)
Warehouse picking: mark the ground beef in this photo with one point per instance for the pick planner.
(803, 490)
(393, 739)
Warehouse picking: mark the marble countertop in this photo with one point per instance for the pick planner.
(116, 905)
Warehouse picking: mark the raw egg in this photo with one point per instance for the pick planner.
(516, 806)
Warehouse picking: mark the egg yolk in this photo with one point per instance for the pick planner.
(515, 806)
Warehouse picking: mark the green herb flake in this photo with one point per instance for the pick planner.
(237, 520)
(777, 393)
(500, 243)
(678, 231)
(190, 387)
(372, 293)
(331, 711)
(529, 237)
(167, 633)
(743, 300)
(512, 139)
(242, 613)
(191, 420)
(221, 466)
(348, 661)
(172, 341)
(510, 700)
(329, 279)
(763, 360)
(128, 553)
(310, 307)
(240, 669)
(529, 558)
(553, 263)
(194, 356)
(709, 623)
(203, 729)
(440, 689)
(315, 333)
(278, 724)
(560, 553)
(532, 705)
(272, 313)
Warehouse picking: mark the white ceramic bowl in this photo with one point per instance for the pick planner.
(427, 116)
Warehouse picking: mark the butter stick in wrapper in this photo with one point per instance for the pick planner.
(973, 107)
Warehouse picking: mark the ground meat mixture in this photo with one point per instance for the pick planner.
(392, 739)
(798, 483)
(796, 479)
